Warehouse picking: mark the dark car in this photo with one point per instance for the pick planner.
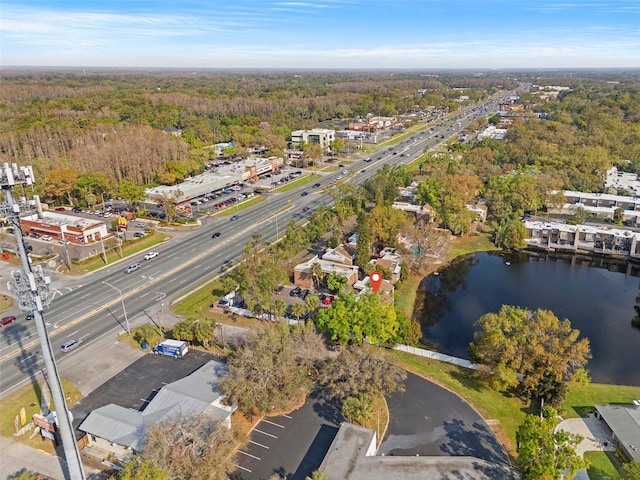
(316, 185)
(304, 294)
(234, 217)
(304, 194)
(215, 235)
(295, 292)
(7, 320)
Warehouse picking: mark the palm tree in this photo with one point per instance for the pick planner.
(312, 303)
(318, 274)
(278, 307)
(298, 310)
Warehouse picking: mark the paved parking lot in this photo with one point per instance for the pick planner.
(292, 445)
(138, 383)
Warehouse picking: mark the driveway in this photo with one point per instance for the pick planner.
(429, 420)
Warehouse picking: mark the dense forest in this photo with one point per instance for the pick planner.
(112, 123)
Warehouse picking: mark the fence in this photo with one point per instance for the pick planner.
(438, 356)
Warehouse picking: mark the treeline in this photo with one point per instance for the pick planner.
(112, 123)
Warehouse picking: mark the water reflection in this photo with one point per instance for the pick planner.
(597, 295)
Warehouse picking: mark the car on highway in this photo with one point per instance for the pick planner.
(316, 185)
(47, 238)
(234, 217)
(216, 235)
(150, 255)
(306, 209)
(7, 320)
(132, 268)
(70, 345)
(339, 177)
(304, 194)
(367, 159)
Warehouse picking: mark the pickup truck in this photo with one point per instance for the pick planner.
(172, 348)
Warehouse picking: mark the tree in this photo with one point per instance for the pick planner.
(298, 310)
(535, 346)
(337, 145)
(312, 151)
(265, 374)
(335, 282)
(137, 469)
(146, 333)
(203, 331)
(279, 307)
(351, 320)
(190, 446)
(363, 247)
(385, 223)
(356, 371)
(618, 216)
(183, 330)
(318, 274)
(358, 409)
(59, 184)
(317, 475)
(543, 454)
(312, 303)
(510, 234)
(131, 192)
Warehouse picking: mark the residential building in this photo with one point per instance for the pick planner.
(622, 424)
(557, 236)
(302, 276)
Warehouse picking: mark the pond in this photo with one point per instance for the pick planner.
(598, 296)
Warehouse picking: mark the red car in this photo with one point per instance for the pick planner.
(328, 299)
(60, 209)
(7, 321)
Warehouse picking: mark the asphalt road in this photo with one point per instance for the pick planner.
(87, 308)
(429, 420)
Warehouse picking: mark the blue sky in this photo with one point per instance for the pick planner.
(345, 34)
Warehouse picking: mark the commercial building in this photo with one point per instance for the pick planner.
(622, 424)
(322, 136)
(62, 226)
(121, 430)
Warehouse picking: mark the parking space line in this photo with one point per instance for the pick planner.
(264, 433)
(272, 423)
(248, 455)
(242, 468)
(286, 416)
(259, 444)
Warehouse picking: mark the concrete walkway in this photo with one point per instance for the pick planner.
(594, 438)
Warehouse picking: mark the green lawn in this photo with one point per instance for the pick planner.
(472, 244)
(405, 295)
(601, 466)
(581, 398)
(131, 247)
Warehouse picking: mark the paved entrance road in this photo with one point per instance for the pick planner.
(429, 420)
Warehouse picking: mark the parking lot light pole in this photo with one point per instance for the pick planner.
(126, 319)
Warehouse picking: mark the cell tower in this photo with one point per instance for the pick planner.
(31, 286)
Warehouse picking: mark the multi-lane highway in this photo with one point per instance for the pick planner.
(91, 306)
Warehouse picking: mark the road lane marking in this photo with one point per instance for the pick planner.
(249, 455)
(272, 423)
(264, 433)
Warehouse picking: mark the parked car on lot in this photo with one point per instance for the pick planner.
(150, 255)
(47, 238)
(64, 241)
(70, 345)
(295, 292)
(138, 235)
(304, 294)
(327, 300)
(60, 209)
(132, 268)
(7, 320)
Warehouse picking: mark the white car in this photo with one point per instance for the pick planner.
(150, 255)
(46, 238)
(64, 241)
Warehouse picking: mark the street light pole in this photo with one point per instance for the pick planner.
(126, 319)
(275, 215)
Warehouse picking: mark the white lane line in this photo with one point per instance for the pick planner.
(242, 468)
(274, 424)
(248, 455)
(259, 444)
(264, 433)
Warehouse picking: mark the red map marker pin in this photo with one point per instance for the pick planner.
(375, 279)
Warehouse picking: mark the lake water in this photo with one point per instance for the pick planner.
(597, 296)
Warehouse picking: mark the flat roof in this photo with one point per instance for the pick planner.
(60, 219)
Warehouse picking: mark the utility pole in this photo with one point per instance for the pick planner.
(124, 310)
(31, 286)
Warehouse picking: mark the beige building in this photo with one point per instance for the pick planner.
(322, 136)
